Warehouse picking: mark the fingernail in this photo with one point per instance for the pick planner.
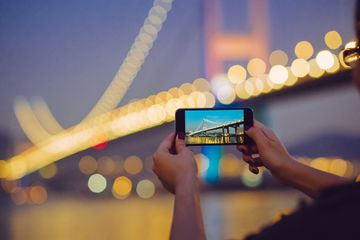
(181, 135)
(254, 170)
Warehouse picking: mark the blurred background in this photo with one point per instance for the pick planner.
(88, 89)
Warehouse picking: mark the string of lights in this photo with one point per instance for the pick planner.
(116, 90)
(160, 108)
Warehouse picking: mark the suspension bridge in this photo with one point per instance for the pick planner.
(208, 133)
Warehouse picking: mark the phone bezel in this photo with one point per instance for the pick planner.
(248, 123)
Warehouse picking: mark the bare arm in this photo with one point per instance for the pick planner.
(309, 180)
(187, 221)
(178, 174)
(274, 156)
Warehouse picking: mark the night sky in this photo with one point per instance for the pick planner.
(193, 119)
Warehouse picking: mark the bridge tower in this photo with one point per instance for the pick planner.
(222, 46)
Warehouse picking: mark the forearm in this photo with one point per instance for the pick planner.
(187, 221)
(307, 179)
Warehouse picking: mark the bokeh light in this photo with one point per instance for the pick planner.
(249, 87)
(226, 94)
(335, 67)
(97, 183)
(19, 197)
(107, 166)
(38, 194)
(300, 67)
(230, 166)
(236, 74)
(201, 84)
(202, 163)
(88, 165)
(256, 67)
(338, 167)
(250, 179)
(278, 74)
(321, 164)
(3, 169)
(241, 92)
(133, 165)
(278, 57)
(145, 189)
(121, 188)
(315, 70)
(325, 59)
(291, 79)
(333, 40)
(259, 84)
(304, 50)
(210, 99)
(49, 171)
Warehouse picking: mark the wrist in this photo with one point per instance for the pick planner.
(284, 168)
(187, 184)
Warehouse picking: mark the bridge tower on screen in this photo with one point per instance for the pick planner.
(222, 46)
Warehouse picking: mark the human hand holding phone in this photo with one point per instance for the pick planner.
(274, 156)
(175, 170)
(271, 152)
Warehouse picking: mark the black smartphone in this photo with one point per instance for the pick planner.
(214, 126)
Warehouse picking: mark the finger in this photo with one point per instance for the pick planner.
(267, 131)
(243, 148)
(248, 159)
(258, 136)
(180, 144)
(166, 144)
(257, 162)
(253, 169)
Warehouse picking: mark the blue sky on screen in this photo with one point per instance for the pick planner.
(193, 118)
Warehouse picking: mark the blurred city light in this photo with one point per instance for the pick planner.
(236, 74)
(300, 67)
(88, 165)
(121, 188)
(145, 189)
(304, 50)
(202, 163)
(49, 171)
(37, 194)
(278, 74)
(230, 166)
(325, 59)
(315, 70)
(251, 180)
(133, 165)
(333, 40)
(97, 183)
(160, 108)
(256, 67)
(278, 57)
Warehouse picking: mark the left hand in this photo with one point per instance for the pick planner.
(175, 170)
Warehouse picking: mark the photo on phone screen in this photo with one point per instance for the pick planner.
(214, 127)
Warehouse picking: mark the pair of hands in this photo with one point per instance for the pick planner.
(178, 170)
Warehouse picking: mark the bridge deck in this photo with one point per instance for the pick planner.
(217, 127)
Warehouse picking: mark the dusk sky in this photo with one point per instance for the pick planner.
(193, 119)
(67, 52)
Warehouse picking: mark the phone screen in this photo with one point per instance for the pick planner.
(214, 126)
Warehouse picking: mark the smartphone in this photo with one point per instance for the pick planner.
(214, 126)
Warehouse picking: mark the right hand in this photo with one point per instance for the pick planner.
(273, 154)
(175, 170)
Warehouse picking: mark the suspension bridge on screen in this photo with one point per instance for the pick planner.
(208, 132)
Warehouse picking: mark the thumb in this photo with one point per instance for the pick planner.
(258, 136)
(179, 144)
